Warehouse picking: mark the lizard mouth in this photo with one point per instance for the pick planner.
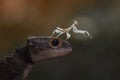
(63, 50)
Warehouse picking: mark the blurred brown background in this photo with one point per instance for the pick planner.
(96, 59)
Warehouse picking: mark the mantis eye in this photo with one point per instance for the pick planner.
(55, 43)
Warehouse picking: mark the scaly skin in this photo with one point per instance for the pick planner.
(36, 50)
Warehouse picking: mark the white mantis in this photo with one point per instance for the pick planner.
(61, 31)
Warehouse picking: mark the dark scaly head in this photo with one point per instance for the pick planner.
(42, 48)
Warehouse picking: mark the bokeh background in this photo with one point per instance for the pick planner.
(91, 59)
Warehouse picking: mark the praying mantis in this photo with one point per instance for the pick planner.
(66, 31)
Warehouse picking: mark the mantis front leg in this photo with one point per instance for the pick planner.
(68, 36)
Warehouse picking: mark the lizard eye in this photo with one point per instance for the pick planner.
(55, 43)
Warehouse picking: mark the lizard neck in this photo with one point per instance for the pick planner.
(24, 60)
(24, 55)
(16, 64)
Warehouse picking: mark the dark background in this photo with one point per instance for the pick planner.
(91, 59)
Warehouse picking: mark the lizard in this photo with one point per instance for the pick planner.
(36, 49)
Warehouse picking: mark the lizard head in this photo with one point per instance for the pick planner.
(42, 48)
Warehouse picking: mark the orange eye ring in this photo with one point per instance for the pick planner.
(55, 43)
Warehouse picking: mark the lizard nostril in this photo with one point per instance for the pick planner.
(55, 43)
